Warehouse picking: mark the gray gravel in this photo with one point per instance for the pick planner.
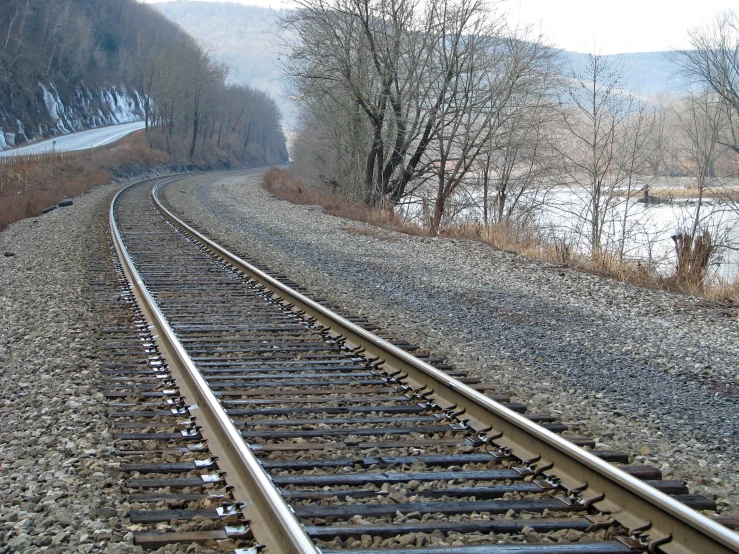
(59, 484)
(644, 371)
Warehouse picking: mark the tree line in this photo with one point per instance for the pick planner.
(182, 92)
(410, 93)
(446, 101)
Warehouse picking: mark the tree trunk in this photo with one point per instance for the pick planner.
(399, 188)
(369, 173)
(595, 230)
(372, 163)
(439, 202)
(195, 125)
(220, 129)
(485, 179)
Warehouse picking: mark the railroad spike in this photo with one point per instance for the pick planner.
(540, 470)
(575, 491)
(590, 501)
(532, 461)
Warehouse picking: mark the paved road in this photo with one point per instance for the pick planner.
(77, 141)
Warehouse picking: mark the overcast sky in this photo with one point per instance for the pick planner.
(608, 27)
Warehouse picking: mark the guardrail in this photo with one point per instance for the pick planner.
(67, 155)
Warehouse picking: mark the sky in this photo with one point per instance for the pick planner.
(600, 26)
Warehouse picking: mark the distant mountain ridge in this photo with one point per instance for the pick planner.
(244, 38)
(644, 73)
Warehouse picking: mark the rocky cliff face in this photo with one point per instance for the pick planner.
(48, 111)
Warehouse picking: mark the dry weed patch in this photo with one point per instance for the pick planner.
(29, 185)
(285, 184)
(523, 239)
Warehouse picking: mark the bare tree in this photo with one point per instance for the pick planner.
(506, 72)
(642, 136)
(595, 109)
(713, 62)
(331, 71)
(409, 88)
(657, 146)
(701, 121)
(477, 91)
(374, 58)
(518, 156)
(203, 78)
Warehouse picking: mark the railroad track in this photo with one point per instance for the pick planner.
(261, 420)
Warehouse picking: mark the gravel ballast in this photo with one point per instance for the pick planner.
(59, 482)
(643, 371)
(647, 372)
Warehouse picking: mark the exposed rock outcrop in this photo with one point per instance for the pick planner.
(49, 111)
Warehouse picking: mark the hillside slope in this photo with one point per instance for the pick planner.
(644, 73)
(63, 67)
(244, 37)
(67, 65)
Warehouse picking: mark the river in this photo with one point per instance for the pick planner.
(562, 213)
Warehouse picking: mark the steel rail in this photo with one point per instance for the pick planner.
(274, 521)
(629, 501)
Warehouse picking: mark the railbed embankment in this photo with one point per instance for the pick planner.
(653, 372)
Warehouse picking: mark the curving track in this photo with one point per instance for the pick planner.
(334, 438)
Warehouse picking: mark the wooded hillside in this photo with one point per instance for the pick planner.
(242, 37)
(73, 64)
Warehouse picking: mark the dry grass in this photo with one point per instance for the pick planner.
(523, 239)
(722, 292)
(29, 187)
(284, 184)
(725, 193)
